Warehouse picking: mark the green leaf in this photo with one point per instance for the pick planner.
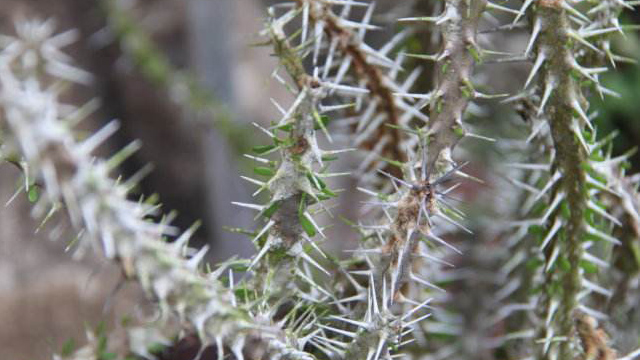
(307, 225)
(536, 230)
(321, 121)
(156, 348)
(635, 248)
(564, 263)
(68, 347)
(302, 205)
(555, 289)
(403, 128)
(126, 321)
(107, 356)
(100, 333)
(268, 212)
(565, 211)
(244, 293)
(285, 127)
(328, 192)
(240, 265)
(262, 149)
(102, 343)
(33, 194)
(589, 268)
(445, 66)
(242, 231)
(533, 264)
(316, 181)
(477, 56)
(392, 162)
(264, 171)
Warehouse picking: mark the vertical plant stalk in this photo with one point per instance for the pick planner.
(454, 89)
(570, 178)
(295, 185)
(418, 200)
(447, 107)
(380, 87)
(448, 104)
(569, 157)
(573, 213)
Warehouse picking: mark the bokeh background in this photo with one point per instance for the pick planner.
(145, 55)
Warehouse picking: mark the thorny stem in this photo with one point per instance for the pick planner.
(290, 184)
(447, 109)
(570, 155)
(454, 89)
(374, 79)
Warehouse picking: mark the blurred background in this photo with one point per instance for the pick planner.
(169, 70)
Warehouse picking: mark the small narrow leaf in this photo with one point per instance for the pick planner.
(269, 211)
(262, 149)
(264, 171)
(307, 225)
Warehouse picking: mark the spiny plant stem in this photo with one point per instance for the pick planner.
(371, 75)
(562, 102)
(419, 201)
(291, 184)
(570, 156)
(447, 108)
(454, 89)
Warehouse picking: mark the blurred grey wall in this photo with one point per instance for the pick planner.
(211, 34)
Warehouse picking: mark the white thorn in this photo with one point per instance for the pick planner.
(536, 66)
(197, 258)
